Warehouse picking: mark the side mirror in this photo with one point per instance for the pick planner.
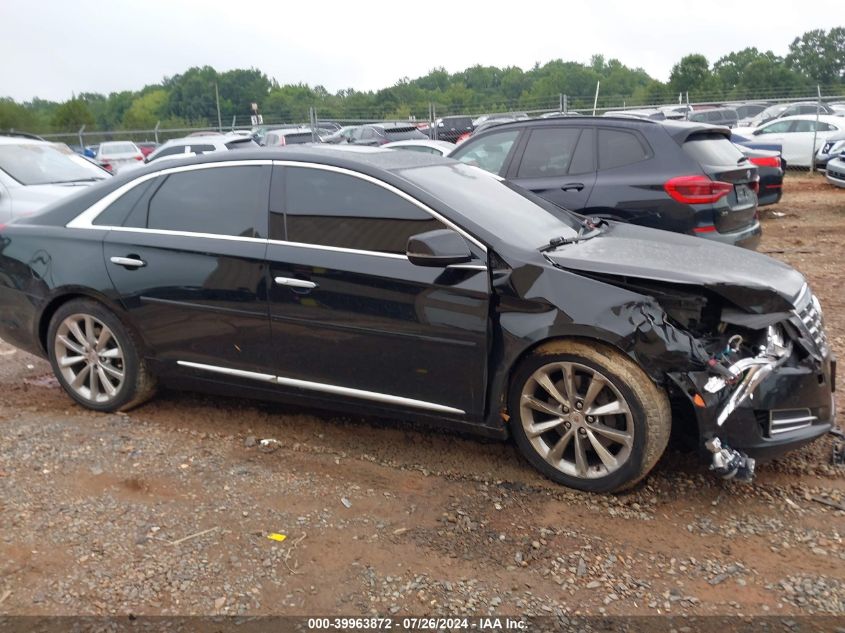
(439, 248)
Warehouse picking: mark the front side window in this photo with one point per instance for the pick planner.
(326, 208)
(618, 148)
(776, 128)
(489, 152)
(221, 200)
(548, 152)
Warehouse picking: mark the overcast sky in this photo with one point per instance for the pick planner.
(53, 48)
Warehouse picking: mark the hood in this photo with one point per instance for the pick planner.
(31, 199)
(753, 282)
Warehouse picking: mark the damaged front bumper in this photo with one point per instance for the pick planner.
(768, 404)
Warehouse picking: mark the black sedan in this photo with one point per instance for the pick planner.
(399, 283)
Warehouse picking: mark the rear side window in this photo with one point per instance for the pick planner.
(330, 209)
(489, 152)
(548, 152)
(169, 151)
(202, 149)
(712, 149)
(618, 148)
(120, 209)
(584, 159)
(222, 201)
(242, 144)
(775, 128)
(296, 139)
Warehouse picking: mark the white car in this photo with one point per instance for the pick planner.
(34, 173)
(196, 145)
(117, 155)
(795, 135)
(438, 148)
(835, 172)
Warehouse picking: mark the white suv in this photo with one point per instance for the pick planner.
(196, 145)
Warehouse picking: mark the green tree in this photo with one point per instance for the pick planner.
(16, 117)
(819, 55)
(691, 74)
(146, 110)
(72, 115)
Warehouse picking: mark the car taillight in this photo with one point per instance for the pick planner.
(697, 189)
(755, 185)
(105, 166)
(707, 228)
(766, 161)
(141, 157)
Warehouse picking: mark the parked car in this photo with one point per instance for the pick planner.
(673, 175)
(715, 116)
(147, 147)
(35, 173)
(449, 128)
(833, 146)
(290, 136)
(116, 155)
(195, 146)
(501, 313)
(90, 151)
(781, 110)
(750, 109)
(835, 172)
(425, 146)
(645, 113)
(675, 112)
(770, 169)
(504, 116)
(376, 134)
(343, 135)
(795, 135)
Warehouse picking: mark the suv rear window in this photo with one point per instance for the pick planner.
(403, 133)
(712, 149)
(299, 137)
(458, 123)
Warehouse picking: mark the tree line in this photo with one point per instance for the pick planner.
(188, 99)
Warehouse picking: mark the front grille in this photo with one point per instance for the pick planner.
(808, 311)
(787, 420)
(835, 173)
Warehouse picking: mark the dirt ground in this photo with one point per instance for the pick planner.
(167, 510)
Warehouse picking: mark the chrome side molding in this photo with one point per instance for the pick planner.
(325, 388)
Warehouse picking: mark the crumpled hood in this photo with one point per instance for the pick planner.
(752, 281)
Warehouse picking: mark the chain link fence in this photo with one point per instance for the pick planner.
(426, 115)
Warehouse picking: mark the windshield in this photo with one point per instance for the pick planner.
(44, 164)
(500, 208)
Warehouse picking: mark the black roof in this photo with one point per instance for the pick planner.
(678, 130)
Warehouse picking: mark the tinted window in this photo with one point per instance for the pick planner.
(202, 149)
(169, 151)
(298, 138)
(617, 148)
(222, 200)
(548, 152)
(403, 134)
(488, 152)
(776, 128)
(583, 161)
(246, 143)
(117, 211)
(331, 209)
(712, 149)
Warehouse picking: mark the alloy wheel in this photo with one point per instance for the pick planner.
(577, 420)
(90, 358)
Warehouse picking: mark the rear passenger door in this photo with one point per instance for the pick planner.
(558, 164)
(185, 254)
(627, 186)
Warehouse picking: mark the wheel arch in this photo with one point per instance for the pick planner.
(63, 296)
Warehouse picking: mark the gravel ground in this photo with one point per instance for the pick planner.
(167, 510)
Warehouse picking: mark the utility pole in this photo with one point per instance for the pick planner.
(816, 129)
(217, 98)
(596, 100)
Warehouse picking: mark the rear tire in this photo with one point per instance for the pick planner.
(96, 358)
(587, 416)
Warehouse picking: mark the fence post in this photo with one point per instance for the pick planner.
(81, 142)
(816, 130)
(565, 104)
(234, 119)
(155, 130)
(560, 105)
(433, 119)
(596, 100)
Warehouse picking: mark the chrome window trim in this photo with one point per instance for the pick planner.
(85, 220)
(337, 249)
(389, 187)
(325, 388)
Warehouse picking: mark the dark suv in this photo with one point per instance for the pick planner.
(672, 175)
(450, 128)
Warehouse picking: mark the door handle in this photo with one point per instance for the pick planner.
(573, 186)
(295, 283)
(132, 261)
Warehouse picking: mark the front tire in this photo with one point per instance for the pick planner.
(587, 416)
(96, 358)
